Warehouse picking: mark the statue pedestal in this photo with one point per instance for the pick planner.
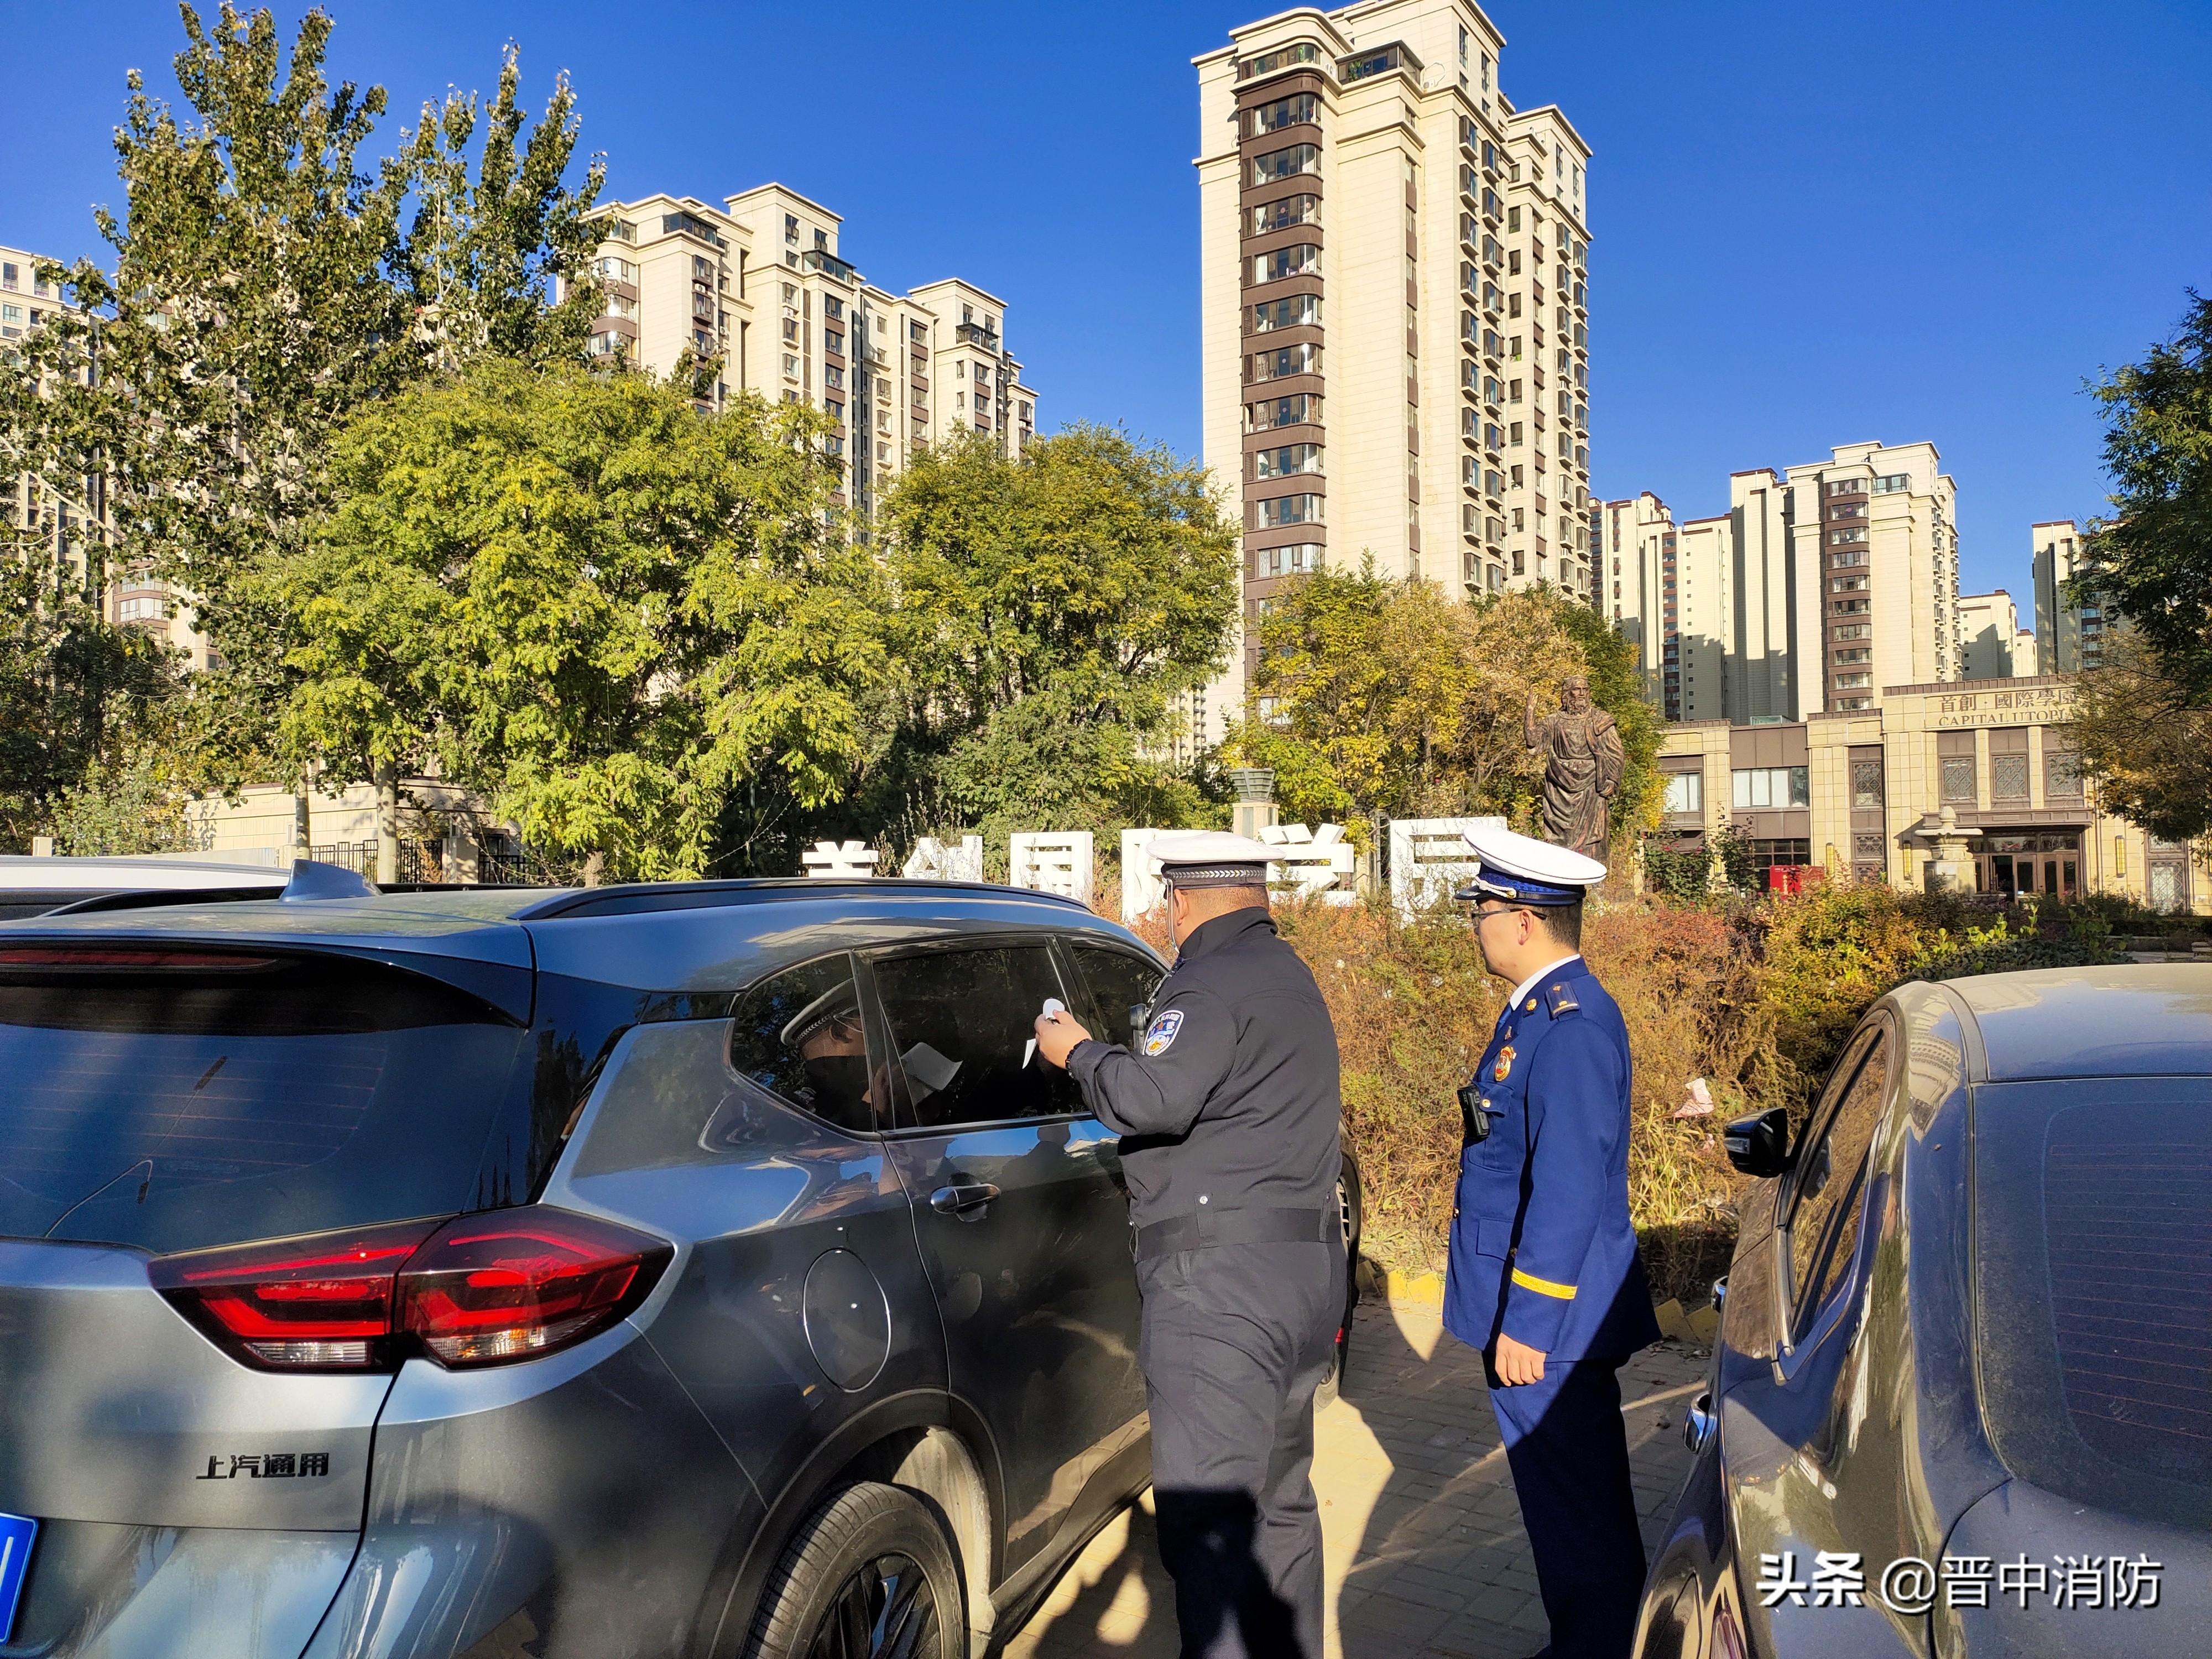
(1950, 867)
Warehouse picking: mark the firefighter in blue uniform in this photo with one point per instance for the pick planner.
(1544, 1276)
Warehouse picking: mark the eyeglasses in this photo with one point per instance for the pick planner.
(1481, 916)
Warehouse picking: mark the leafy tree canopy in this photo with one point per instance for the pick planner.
(1049, 612)
(1379, 699)
(614, 615)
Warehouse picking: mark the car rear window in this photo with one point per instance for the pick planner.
(176, 1100)
(2094, 1257)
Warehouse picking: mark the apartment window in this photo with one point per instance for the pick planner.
(1685, 791)
(12, 315)
(1849, 556)
(1845, 486)
(791, 228)
(1852, 631)
(1855, 653)
(1513, 348)
(1289, 460)
(1890, 483)
(1866, 786)
(917, 333)
(1515, 439)
(1287, 360)
(1282, 412)
(1757, 786)
(1845, 537)
(603, 345)
(1303, 52)
(1299, 559)
(9, 275)
(833, 376)
(1294, 111)
(790, 366)
(1958, 780)
(1297, 311)
(1287, 163)
(1302, 260)
(1289, 509)
(620, 270)
(1847, 584)
(1283, 214)
(1851, 607)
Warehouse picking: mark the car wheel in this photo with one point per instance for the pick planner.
(871, 1575)
(1348, 1205)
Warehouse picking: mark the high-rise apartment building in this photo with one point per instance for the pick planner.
(2027, 660)
(1817, 587)
(1396, 305)
(1634, 552)
(1875, 538)
(1988, 636)
(758, 285)
(2069, 637)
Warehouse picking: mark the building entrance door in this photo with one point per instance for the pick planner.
(2019, 865)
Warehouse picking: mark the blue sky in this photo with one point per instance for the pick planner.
(1933, 222)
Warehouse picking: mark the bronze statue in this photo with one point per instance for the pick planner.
(1583, 762)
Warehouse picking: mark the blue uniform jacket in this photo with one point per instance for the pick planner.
(1541, 1247)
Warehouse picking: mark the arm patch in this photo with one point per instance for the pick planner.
(1160, 1035)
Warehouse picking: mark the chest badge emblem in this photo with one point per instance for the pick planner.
(1502, 1067)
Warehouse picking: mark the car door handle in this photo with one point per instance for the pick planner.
(961, 1197)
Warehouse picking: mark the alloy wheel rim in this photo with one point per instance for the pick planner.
(884, 1610)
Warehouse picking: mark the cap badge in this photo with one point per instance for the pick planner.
(1504, 1066)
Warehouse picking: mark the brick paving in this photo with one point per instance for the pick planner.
(1421, 1536)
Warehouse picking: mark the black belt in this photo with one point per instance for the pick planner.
(1208, 1228)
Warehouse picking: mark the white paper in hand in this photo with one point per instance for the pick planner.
(1051, 1006)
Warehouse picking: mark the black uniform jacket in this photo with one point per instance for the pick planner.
(1233, 1102)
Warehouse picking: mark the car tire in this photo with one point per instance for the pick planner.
(1349, 1204)
(871, 1572)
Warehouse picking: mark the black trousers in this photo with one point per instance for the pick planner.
(1235, 1340)
(1568, 1449)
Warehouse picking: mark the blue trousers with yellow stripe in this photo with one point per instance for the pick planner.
(1568, 1449)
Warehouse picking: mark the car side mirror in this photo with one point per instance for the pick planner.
(1760, 1146)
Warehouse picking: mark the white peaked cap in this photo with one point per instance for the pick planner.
(1527, 871)
(1213, 858)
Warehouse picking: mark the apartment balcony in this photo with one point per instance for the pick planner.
(975, 334)
(828, 264)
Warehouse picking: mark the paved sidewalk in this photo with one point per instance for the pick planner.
(1422, 1537)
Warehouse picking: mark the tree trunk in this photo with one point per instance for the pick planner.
(387, 822)
(595, 869)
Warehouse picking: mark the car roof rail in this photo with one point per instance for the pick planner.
(634, 898)
(149, 898)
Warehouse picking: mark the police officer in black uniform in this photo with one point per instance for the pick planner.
(1229, 1113)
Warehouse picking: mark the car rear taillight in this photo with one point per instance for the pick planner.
(324, 1302)
(475, 1291)
(509, 1283)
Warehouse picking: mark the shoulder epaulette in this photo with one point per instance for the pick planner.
(1560, 998)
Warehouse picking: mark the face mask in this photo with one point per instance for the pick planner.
(838, 1079)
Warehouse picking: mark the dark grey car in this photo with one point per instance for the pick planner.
(697, 1270)
(1967, 1329)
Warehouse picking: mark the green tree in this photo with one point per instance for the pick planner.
(1050, 611)
(264, 290)
(484, 258)
(620, 619)
(2152, 563)
(2144, 718)
(1379, 699)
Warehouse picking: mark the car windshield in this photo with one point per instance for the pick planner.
(2093, 1263)
(175, 1100)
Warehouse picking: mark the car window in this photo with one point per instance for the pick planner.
(210, 1099)
(963, 1026)
(799, 1036)
(2093, 1278)
(1118, 980)
(1831, 1182)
